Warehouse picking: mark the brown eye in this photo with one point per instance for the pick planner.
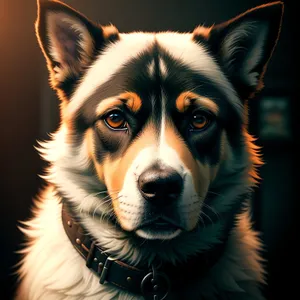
(115, 120)
(200, 121)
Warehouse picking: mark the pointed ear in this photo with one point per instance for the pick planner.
(244, 45)
(69, 41)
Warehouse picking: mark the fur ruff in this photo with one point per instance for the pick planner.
(233, 275)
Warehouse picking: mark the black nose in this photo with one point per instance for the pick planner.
(160, 184)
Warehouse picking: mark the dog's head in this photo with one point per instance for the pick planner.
(153, 130)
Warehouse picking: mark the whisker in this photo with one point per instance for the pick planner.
(104, 214)
(103, 192)
(212, 210)
(99, 205)
(203, 213)
(217, 194)
(208, 207)
(87, 197)
(99, 193)
(202, 221)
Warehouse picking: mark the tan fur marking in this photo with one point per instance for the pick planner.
(202, 31)
(89, 138)
(183, 102)
(223, 154)
(197, 169)
(113, 172)
(255, 157)
(118, 169)
(106, 104)
(109, 31)
(185, 99)
(90, 143)
(131, 100)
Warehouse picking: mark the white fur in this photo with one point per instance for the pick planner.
(72, 173)
(162, 131)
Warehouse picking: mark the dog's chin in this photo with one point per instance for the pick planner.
(158, 231)
(158, 235)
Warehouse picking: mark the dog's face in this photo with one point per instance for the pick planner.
(153, 123)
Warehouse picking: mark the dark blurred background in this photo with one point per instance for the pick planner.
(29, 111)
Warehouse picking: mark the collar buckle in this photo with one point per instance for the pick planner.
(106, 267)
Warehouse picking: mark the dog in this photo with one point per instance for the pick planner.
(152, 167)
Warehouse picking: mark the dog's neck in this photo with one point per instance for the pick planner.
(128, 276)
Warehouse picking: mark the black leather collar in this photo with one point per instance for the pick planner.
(153, 283)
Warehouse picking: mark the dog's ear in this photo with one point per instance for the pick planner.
(244, 45)
(69, 41)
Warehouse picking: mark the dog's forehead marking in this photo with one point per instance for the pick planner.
(162, 68)
(130, 99)
(116, 55)
(179, 46)
(163, 123)
(151, 68)
(185, 99)
(196, 57)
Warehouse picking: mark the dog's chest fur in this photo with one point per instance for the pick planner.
(237, 274)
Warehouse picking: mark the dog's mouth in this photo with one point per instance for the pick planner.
(159, 229)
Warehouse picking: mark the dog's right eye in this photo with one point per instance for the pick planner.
(115, 120)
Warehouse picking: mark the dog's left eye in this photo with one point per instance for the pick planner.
(200, 121)
(115, 120)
